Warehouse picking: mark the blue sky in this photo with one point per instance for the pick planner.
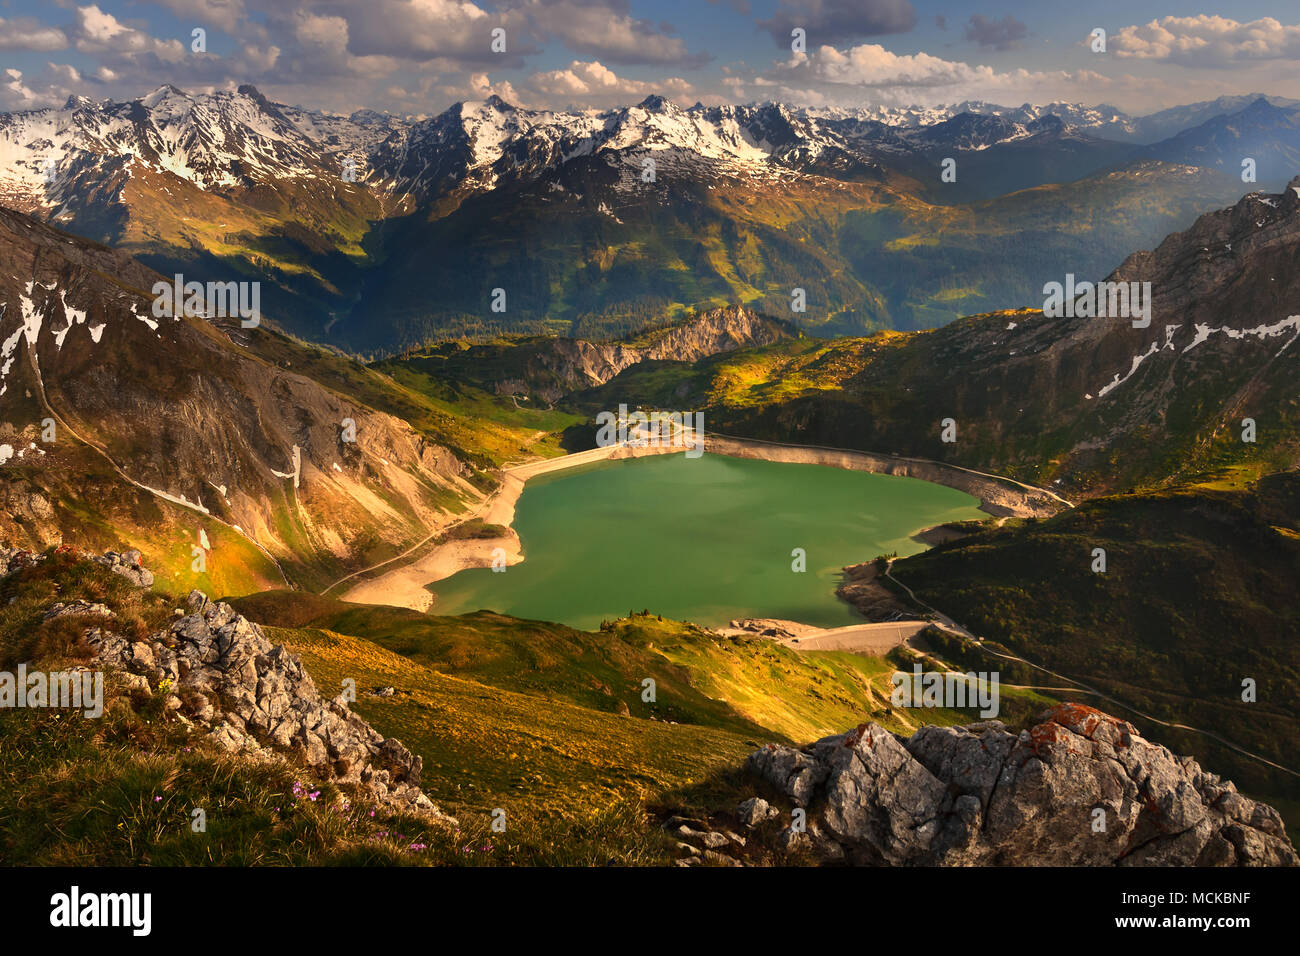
(419, 56)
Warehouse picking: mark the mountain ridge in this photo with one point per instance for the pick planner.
(328, 210)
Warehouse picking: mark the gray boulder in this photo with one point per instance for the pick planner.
(1080, 788)
(755, 811)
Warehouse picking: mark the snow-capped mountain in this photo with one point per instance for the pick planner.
(604, 217)
(1101, 120)
(222, 139)
(239, 140)
(231, 140)
(1171, 122)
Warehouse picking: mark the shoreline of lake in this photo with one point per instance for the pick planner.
(408, 584)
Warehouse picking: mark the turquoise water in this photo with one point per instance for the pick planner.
(706, 540)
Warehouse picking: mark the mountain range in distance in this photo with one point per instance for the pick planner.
(376, 233)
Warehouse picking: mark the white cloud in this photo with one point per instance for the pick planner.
(103, 35)
(342, 54)
(870, 64)
(592, 84)
(1207, 41)
(479, 86)
(28, 34)
(421, 29)
(52, 88)
(869, 74)
(18, 92)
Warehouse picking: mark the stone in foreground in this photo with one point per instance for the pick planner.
(1080, 788)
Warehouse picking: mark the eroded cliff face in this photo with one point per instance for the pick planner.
(162, 422)
(1079, 788)
(557, 367)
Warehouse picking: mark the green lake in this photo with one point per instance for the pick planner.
(705, 539)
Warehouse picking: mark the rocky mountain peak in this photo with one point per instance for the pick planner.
(160, 94)
(655, 103)
(1262, 107)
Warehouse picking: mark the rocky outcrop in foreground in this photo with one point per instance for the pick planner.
(125, 563)
(217, 671)
(1080, 788)
(255, 698)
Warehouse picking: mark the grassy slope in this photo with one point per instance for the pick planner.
(887, 392)
(576, 779)
(120, 790)
(749, 686)
(480, 428)
(1199, 593)
(486, 747)
(100, 512)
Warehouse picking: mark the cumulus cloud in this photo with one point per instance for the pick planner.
(51, 87)
(26, 33)
(581, 79)
(412, 54)
(1208, 41)
(1004, 34)
(130, 60)
(101, 34)
(17, 91)
(479, 86)
(870, 74)
(418, 55)
(871, 65)
(839, 21)
(606, 29)
(592, 84)
(422, 30)
(322, 49)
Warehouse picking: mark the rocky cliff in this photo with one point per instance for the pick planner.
(578, 364)
(1079, 788)
(545, 370)
(215, 670)
(255, 698)
(166, 425)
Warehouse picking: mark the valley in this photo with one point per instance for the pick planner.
(323, 497)
(746, 204)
